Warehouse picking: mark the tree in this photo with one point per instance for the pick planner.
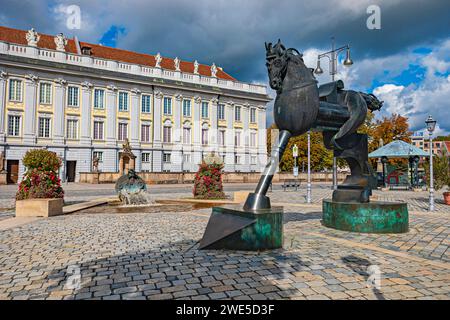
(389, 129)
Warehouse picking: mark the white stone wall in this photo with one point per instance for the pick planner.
(81, 150)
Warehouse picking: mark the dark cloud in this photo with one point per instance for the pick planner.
(232, 33)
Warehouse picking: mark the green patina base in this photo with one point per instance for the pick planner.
(232, 228)
(371, 217)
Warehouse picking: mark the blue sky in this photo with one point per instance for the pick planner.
(406, 62)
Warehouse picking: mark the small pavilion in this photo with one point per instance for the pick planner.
(401, 149)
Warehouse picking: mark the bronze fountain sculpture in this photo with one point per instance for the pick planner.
(301, 105)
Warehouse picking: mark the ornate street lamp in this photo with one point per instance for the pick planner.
(431, 124)
(333, 58)
(308, 185)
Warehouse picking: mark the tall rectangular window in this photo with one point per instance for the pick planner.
(72, 96)
(146, 103)
(237, 138)
(98, 155)
(145, 133)
(237, 159)
(44, 128)
(187, 158)
(237, 113)
(99, 98)
(98, 130)
(145, 157)
(45, 93)
(123, 101)
(167, 134)
(186, 108)
(253, 115)
(123, 131)
(221, 112)
(167, 105)
(221, 137)
(186, 135)
(205, 110)
(14, 126)
(72, 129)
(205, 133)
(252, 139)
(15, 90)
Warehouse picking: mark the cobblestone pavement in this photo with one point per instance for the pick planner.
(155, 256)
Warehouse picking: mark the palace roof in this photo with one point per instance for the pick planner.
(17, 36)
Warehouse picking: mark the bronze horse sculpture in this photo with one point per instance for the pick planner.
(301, 105)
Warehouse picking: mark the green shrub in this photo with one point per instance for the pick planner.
(441, 170)
(41, 178)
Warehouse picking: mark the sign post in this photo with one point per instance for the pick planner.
(295, 155)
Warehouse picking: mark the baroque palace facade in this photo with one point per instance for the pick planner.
(84, 101)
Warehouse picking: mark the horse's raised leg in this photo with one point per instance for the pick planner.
(258, 199)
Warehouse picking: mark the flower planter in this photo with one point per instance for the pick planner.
(447, 197)
(39, 207)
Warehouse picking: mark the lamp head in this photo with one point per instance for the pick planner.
(348, 61)
(318, 69)
(431, 124)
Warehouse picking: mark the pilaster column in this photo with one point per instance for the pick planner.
(197, 121)
(246, 136)
(177, 114)
(29, 127)
(134, 113)
(3, 77)
(111, 115)
(214, 123)
(157, 130)
(229, 140)
(86, 99)
(59, 106)
(157, 119)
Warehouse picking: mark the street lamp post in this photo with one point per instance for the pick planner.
(332, 57)
(431, 124)
(308, 186)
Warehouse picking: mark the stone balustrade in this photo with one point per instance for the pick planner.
(110, 65)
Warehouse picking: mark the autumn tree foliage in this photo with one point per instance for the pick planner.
(388, 129)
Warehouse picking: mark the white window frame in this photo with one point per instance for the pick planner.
(205, 106)
(221, 111)
(46, 129)
(99, 155)
(169, 140)
(100, 132)
(169, 106)
(145, 157)
(74, 130)
(147, 134)
(71, 98)
(17, 96)
(222, 137)
(147, 97)
(252, 115)
(16, 125)
(237, 138)
(187, 108)
(253, 139)
(45, 97)
(237, 113)
(167, 157)
(122, 135)
(123, 104)
(205, 137)
(98, 105)
(187, 134)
